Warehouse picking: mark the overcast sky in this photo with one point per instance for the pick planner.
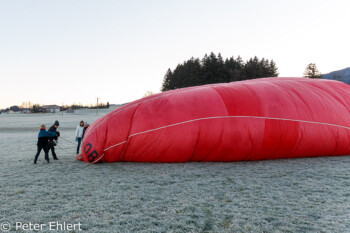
(76, 50)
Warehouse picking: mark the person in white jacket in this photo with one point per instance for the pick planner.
(79, 134)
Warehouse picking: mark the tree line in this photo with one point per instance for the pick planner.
(29, 107)
(214, 69)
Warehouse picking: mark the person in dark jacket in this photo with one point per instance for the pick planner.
(86, 125)
(43, 143)
(53, 140)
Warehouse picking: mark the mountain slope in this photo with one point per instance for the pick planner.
(340, 75)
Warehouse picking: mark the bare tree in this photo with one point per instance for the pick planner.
(311, 71)
(148, 93)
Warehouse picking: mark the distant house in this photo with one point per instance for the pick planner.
(50, 108)
(10, 112)
(26, 110)
(70, 110)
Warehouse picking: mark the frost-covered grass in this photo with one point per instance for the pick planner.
(299, 195)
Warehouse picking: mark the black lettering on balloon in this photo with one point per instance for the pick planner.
(92, 156)
(88, 145)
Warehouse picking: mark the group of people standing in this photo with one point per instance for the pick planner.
(47, 140)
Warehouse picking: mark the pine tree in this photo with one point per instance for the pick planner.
(234, 67)
(273, 70)
(167, 81)
(253, 69)
(192, 72)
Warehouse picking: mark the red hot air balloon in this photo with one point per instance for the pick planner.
(258, 119)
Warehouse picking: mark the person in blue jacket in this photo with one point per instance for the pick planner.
(43, 142)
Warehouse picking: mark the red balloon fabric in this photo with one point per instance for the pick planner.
(268, 118)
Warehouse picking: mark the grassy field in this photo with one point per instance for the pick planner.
(298, 195)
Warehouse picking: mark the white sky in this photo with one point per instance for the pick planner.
(73, 51)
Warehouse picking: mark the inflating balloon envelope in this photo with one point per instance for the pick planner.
(258, 119)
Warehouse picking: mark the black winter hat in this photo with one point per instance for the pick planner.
(57, 123)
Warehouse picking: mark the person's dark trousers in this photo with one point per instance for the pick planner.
(52, 148)
(79, 142)
(46, 150)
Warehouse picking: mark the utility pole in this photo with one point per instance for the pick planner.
(97, 107)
